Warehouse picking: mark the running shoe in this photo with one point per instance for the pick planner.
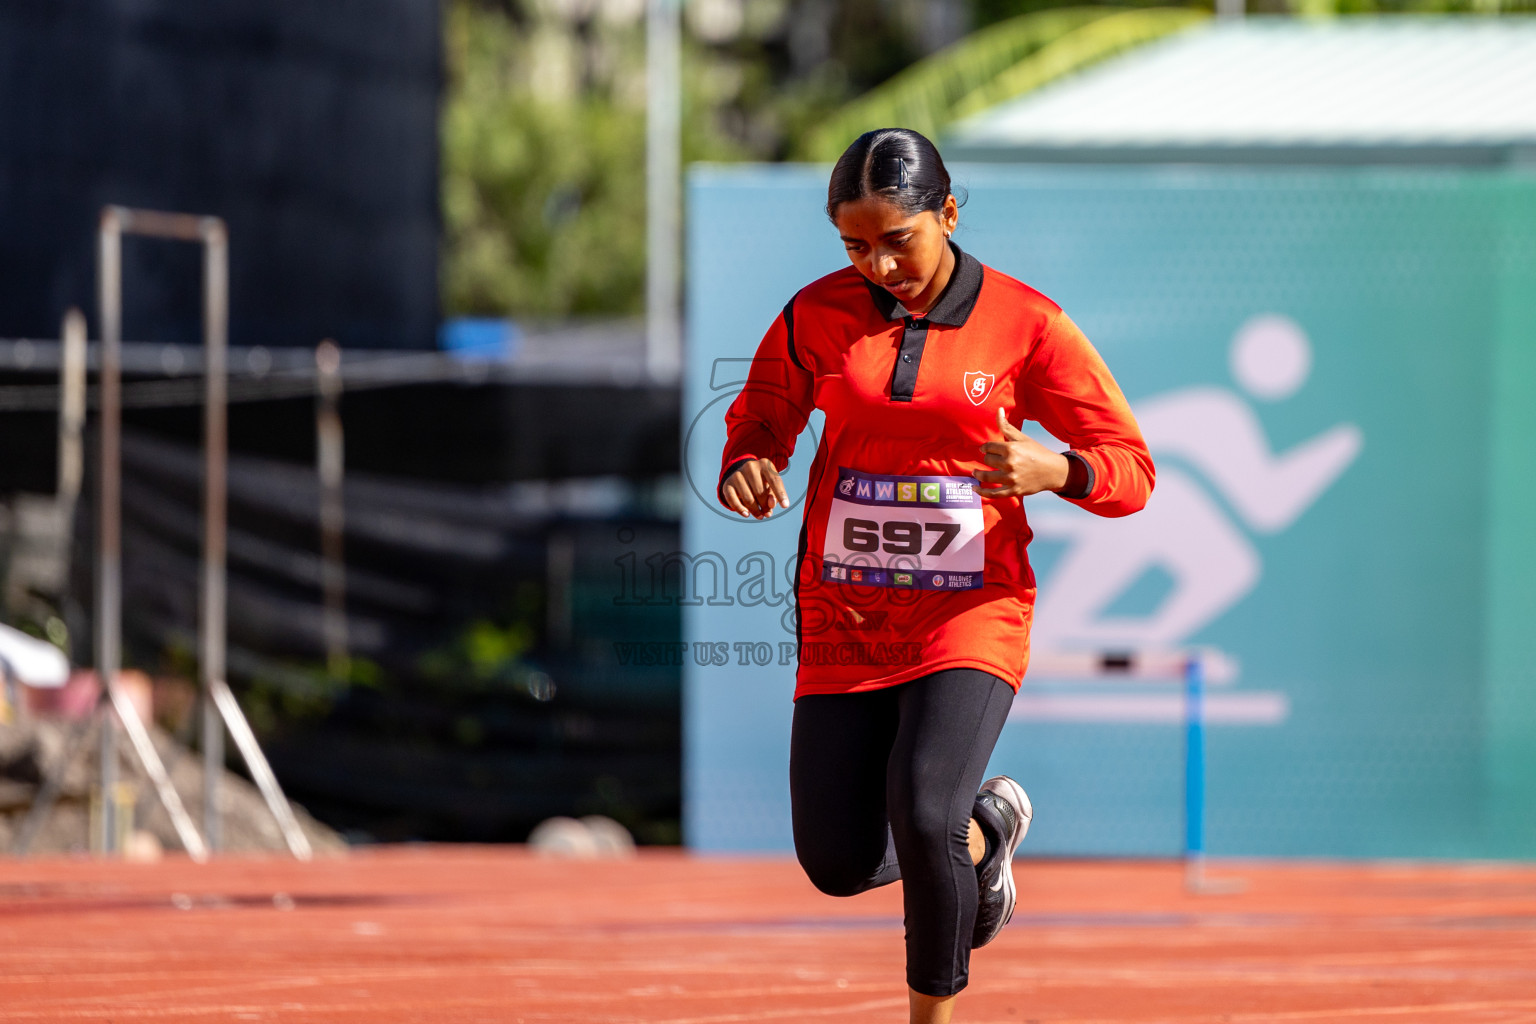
(1003, 811)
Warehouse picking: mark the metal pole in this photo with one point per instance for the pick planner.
(1194, 771)
(663, 169)
(71, 414)
(155, 768)
(261, 771)
(559, 571)
(219, 705)
(71, 467)
(109, 511)
(215, 454)
(329, 466)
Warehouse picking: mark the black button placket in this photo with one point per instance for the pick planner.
(904, 377)
(952, 309)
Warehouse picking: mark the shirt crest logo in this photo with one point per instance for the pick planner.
(978, 386)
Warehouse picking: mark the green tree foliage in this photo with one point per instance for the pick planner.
(538, 223)
(543, 185)
(542, 166)
(1330, 8)
(995, 64)
(543, 124)
(990, 12)
(543, 155)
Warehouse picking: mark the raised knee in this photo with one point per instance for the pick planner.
(833, 879)
(839, 886)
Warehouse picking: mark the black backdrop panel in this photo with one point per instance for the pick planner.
(311, 127)
(473, 434)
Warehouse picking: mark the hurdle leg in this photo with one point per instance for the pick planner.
(261, 771)
(1194, 773)
(1195, 880)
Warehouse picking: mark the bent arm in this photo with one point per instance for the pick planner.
(1070, 391)
(772, 409)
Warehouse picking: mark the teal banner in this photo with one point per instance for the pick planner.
(1334, 371)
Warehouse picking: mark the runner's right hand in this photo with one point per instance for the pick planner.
(754, 489)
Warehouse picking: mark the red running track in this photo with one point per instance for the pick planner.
(498, 934)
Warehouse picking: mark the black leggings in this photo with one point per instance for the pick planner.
(881, 785)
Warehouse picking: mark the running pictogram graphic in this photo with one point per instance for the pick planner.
(1205, 439)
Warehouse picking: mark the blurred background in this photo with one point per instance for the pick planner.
(463, 196)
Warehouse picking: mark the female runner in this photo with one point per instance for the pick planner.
(914, 591)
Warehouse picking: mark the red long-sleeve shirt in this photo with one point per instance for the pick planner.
(903, 570)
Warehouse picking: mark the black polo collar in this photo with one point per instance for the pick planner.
(955, 302)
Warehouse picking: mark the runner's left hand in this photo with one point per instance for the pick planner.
(1020, 465)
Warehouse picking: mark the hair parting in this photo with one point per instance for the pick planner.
(897, 164)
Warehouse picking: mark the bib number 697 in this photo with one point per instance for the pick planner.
(900, 537)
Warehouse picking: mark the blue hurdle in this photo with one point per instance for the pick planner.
(1194, 668)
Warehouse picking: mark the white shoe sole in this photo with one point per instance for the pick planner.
(1011, 791)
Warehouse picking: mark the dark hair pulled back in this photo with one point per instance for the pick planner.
(897, 164)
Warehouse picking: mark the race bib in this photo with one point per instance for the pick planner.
(916, 532)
